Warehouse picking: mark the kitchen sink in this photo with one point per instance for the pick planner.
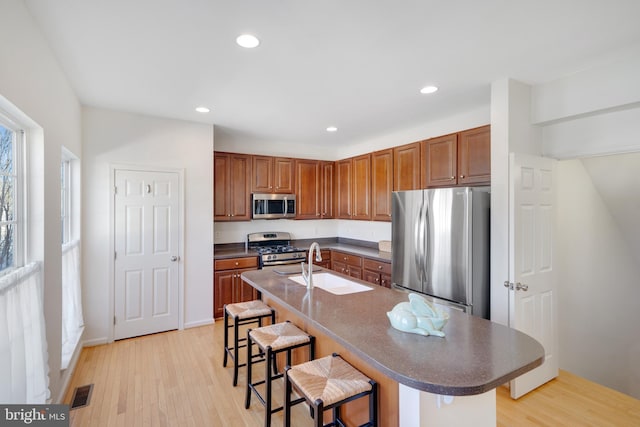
(337, 285)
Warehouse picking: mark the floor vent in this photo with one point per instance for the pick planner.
(81, 396)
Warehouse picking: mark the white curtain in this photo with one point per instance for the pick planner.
(72, 321)
(24, 369)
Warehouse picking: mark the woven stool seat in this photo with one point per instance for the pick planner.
(279, 336)
(329, 383)
(329, 379)
(242, 314)
(245, 310)
(272, 340)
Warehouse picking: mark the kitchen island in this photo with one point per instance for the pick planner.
(425, 381)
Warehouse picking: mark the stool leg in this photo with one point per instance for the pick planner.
(226, 337)
(268, 406)
(336, 415)
(319, 412)
(247, 398)
(373, 404)
(287, 399)
(236, 359)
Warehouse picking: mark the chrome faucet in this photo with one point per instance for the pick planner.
(308, 275)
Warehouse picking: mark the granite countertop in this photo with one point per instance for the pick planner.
(476, 355)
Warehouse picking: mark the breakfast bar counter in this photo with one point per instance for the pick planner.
(474, 357)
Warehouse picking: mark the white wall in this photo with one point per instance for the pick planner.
(121, 138)
(599, 292)
(32, 81)
(236, 232)
(589, 113)
(511, 131)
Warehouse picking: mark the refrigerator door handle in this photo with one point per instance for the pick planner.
(417, 242)
(426, 239)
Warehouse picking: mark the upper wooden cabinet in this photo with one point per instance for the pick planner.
(328, 196)
(361, 183)
(381, 184)
(231, 196)
(474, 156)
(314, 189)
(272, 175)
(343, 188)
(461, 158)
(439, 161)
(406, 167)
(353, 187)
(308, 189)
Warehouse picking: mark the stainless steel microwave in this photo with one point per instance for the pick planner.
(272, 206)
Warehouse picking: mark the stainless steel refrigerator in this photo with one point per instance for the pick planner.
(440, 244)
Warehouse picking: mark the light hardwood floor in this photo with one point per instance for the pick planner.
(177, 379)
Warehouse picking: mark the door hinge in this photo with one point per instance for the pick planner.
(114, 320)
(115, 255)
(115, 189)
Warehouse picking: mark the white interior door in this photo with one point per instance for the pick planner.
(533, 287)
(146, 292)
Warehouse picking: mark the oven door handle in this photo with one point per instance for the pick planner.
(283, 262)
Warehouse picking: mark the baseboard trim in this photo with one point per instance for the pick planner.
(203, 322)
(95, 341)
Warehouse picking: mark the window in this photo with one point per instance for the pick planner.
(72, 321)
(23, 340)
(65, 199)
(10, 195)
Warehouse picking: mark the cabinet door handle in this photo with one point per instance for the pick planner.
(451, 178)
(461, 176)
(379, 267)
(377, 280)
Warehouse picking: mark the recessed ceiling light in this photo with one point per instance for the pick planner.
(332, 129)
(247, 40)
(428, 89)
(202, 109)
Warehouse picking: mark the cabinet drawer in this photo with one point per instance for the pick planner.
(382, 267)
(346, 258)
(233, 263)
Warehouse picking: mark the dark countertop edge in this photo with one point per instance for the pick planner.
(352, 246)
(450, 390)
(466, 390)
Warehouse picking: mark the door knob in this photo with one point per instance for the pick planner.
(520, 286)
(174, 258)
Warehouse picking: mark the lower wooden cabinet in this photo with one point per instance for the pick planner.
(348, 264)
(377, 272)
(228, 286)
(326, 258)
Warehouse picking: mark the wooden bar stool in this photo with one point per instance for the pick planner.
(242, 313)
(272, 340)
(328, 383)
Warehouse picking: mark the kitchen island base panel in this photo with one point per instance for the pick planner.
(357, 411)
(423, 409)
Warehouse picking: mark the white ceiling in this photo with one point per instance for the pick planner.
(355, 64)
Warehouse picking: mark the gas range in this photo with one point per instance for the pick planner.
(274, 248)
